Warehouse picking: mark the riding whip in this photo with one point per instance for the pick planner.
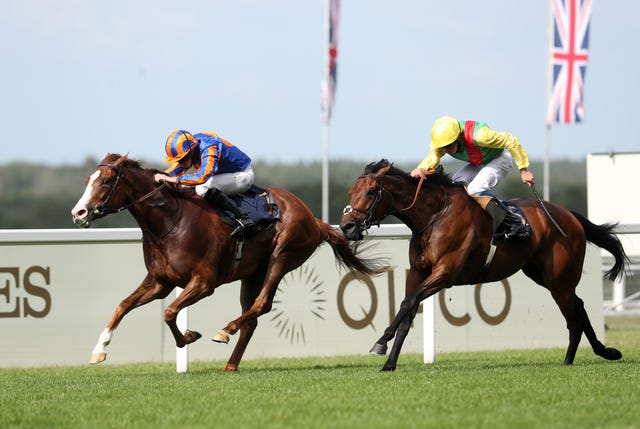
(535, 192)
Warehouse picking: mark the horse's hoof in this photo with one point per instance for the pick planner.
(97, 358)
(388, 368)
(378, 349)
(191, 336)
(230, 368)
(221, 337)
(610, 353)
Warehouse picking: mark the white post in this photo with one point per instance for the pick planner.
(325, 117)
(182, 354)
(429, 330)
(619, 292)
(545, 176)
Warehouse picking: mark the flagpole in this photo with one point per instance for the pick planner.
(325, 172)
(547, 135)
(327, 101)
(325, 117)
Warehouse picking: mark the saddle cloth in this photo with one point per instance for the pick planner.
(259, 205)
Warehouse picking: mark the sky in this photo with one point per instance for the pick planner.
(81, 78)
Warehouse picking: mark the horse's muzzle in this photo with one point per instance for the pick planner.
(351, 230)
(82, 217)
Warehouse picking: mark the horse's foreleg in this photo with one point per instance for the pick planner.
(402, 321)
(193, 292)
(380, 347)
(147, 291)
(406, 307)
(401, 334)
(414, 280)
(98, 354)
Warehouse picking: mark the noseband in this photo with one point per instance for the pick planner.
(368, 221)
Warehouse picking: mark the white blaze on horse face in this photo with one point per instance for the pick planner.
(79, 211)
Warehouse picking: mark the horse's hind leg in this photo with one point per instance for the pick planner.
(572, 308)
(248, 293)
(599, 349)
(569, 305)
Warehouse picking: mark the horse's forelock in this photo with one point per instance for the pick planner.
(374, 167)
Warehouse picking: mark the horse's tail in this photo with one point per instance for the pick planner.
(604, 237)
(347, 253)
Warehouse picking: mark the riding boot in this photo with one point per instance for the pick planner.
(222, 200)
(506, 225)
(498, 214)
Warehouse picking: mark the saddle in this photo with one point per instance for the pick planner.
(258, 204)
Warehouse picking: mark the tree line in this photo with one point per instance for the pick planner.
(36, 196)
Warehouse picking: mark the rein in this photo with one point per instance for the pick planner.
(415, 197)
(367, 221)
(101, 209)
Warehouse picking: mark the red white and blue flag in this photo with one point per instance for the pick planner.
(328, 89)
(569, 60)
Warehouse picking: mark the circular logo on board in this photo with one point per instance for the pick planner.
(299, 299)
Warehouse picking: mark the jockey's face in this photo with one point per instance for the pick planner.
(452, 148)
(187, 161)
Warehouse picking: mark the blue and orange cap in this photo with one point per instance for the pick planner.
(179, 144)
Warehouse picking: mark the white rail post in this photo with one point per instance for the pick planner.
(182, 354)
(619, 292)
(429, 330)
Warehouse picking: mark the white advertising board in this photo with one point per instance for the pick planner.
(59, 288)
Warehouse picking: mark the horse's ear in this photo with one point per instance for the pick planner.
(122, 159)
(384, 170)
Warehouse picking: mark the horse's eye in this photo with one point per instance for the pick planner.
(106, 181)
(372, 193)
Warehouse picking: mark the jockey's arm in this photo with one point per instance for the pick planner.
(428, 163)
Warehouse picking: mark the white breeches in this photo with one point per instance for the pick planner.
(483, 178)
(229, 183)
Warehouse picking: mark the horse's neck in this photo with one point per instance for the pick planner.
(431, 201)
(154, 212)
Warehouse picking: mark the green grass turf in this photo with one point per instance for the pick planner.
(506, 389)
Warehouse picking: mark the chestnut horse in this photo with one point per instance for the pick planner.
(186, 244)
(450, 243)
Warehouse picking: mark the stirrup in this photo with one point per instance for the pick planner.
(241, 225)
(239, 228)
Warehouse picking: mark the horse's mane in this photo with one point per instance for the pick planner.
(133, 164)
(440, 178)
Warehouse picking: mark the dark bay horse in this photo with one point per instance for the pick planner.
(186, 244)
(451, 236)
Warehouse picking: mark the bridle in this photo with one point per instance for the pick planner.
(101, 209)
(368, 222)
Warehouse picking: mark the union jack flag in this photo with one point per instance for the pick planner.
(328, 90)
(569, 59)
